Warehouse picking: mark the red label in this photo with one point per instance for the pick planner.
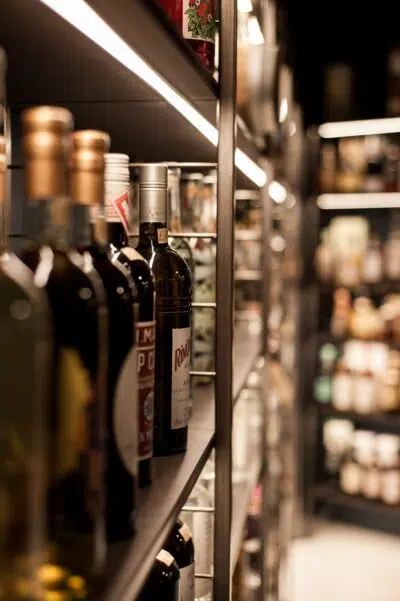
(121, 205)
(145, 341)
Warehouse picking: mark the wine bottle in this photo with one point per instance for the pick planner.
(123, 254)
(180, 545)
(25, 345)
(173, 313)
(79, 322)
(163, 582)
(87, 189)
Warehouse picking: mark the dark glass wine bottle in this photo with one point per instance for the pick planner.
(173, 313)
(25, 345)
(79, 321)
(87, 190)
(163, 583)
(180, 545)
(122, 253)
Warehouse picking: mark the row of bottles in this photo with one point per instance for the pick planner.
(188, 550)
(363, 377)
(366, 463)
(350, 255)
(364, 320)
(95, 357)
(370, 164)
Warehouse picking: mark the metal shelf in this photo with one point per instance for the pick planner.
(246, 349)
(373, 514)
(174, 478)
(380, 422)
(103, 94)
(241, 494)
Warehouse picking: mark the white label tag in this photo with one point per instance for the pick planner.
(162, 235)
(187, 583)
(180, 378)
(126, 412)
(165, 557)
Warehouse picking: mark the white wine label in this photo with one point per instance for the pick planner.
(162, 235)
(125, 412)
(180, 378)
(185, 532)
(132, 254)
(165, 557)
(146, 345)
(198, 21)
(187, 583)
(121, 206)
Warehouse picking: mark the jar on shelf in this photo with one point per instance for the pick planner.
(364, 449)
(324, 258)
(341, 313)
(195, 19)
(391, 255)
(388, 453)
(388, 398)
(350, 475)
(364, 392)
(366, 322)
(372, 266)
(337, 437)
(342, 388)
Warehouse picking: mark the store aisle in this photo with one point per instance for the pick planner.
(344, 563)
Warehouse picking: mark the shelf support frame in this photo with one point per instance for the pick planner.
(222, 583)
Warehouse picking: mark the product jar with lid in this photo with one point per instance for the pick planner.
(388, 454)
(195, 19)
(350, 476)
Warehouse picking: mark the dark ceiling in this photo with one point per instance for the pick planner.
(358, 33)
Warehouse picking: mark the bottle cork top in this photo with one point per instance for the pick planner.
(153, 176)
(87, 166)
(47, 118)
(91, 139)
(46, 144)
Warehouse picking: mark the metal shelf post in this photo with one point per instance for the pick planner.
(224, 312)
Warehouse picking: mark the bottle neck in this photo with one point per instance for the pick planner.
(117, 237)
(153, 217)
(153, 234)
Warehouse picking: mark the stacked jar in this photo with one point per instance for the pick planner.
(117, 192)
(388, 457)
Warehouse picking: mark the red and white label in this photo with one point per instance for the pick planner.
(145, 342)
(180, 378)
(198, 20)
(121, 207)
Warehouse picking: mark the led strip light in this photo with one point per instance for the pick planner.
(362, 200)
(81, 16)
(368, 127)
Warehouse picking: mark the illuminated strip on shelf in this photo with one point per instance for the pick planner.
(81, 16)
(362, 200)
(368, 127)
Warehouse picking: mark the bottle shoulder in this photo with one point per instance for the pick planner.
(170, 262)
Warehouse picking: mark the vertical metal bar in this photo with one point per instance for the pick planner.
(225, 307)
(266, 205)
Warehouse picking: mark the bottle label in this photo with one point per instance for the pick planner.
(145, 341)
(198, 20)
(121, 207)
(125, 412)
(180, 378)
(187, 583)
(162, 235)
(165, 557)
